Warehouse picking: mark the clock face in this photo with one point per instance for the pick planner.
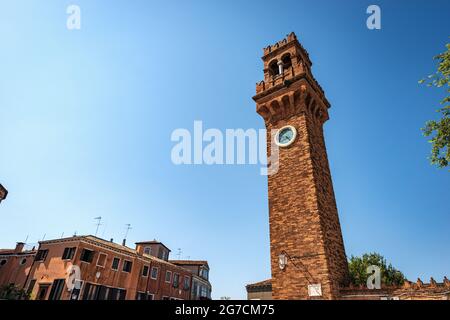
(285, 136)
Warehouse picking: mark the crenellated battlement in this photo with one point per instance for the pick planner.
(290, 38)
(285, 63)
(408, 291)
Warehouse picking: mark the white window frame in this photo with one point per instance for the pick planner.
(123, 265)
(148, 271)
(93, 252)
(118, 265)
(98, 259)
(151, 273)
(173, 280)
(74, 253)
(189, 282)
(170, 278)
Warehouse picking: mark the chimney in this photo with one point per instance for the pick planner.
(112, 240)
(124, 242)
(19, 247)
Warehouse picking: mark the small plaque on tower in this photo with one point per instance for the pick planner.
(315, 290)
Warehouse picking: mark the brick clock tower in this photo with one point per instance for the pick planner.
(308, 258)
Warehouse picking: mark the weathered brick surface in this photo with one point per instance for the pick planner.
(304, 222)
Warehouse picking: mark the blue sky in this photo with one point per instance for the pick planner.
(86, 118)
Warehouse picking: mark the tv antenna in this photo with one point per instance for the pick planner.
(179, 253)
(126, 233)
(99, 223)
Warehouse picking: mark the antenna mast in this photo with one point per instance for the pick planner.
(98, 224)
(126, 233)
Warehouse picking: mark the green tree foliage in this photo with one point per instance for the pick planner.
(358, 270)
(12, 292)
(439, 130)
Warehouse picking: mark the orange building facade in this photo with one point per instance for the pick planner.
(15, 264)
(90, 268)
(201, 287)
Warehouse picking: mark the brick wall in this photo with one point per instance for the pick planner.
(15, 265)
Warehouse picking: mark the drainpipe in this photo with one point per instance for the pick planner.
(31, 269)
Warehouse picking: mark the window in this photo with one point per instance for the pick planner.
(68, 253)
(122, 294)
(23, 261)
(41, 255)
(176, 280)
(57, 289)
(148, 251)
(195, 289)
(163, 254)
(141, 296)
(127, 266)
(115, 264)
(87, 255)
(3, 262)
(287, 63)
(76, 290)
(274, 70)
(102, 293)
(31, 286)
(144, 296)
(145, 271)
(203, 292)
(101, 261)
(112, 294)
(90, 291)
(204, 273)
(42, 292)
(99, 292)
(168, 276)
(187, 283)
(154, 273)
